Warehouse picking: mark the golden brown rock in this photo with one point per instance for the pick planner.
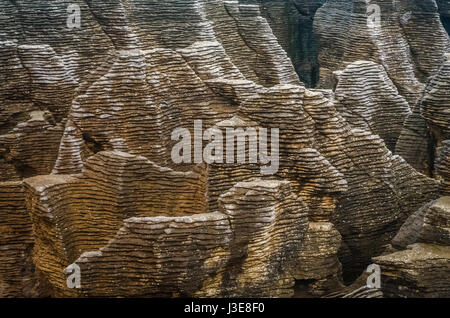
(86, 121)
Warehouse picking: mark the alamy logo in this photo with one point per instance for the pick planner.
(214, 152)
(74, 276)
(374, 279)
(373, 15)
(74, 16)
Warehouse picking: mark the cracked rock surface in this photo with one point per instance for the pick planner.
(86, 149)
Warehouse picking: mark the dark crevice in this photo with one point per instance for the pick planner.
(432, 154)
(302, 288)
(92, 145)
(24, 170)
(292, 23)
(446, 23)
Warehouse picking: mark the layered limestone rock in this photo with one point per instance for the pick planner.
(258, 54)
(415, 143)
(420, 271)
(408, 40)
(367, 184)
(444, 167)
(318, 268)
(292, 23)
(19, 155)
(421, 267)
(435, 103)
(16, 242)
(87, 116)
(220, 253)
(421, 141)
(436, 224)
(367, 99)
(386, 37)
(36, 93)
(80, 213)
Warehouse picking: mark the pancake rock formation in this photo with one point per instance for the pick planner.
(223, 148)
(420, 267)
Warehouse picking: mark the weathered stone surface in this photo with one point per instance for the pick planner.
(87, 176)
(292, 23)
(214, 254)
(426, 129)
(409, 26)
(80, 213)
(443, 167)
(420, 269)
(435, 103)
(16, 242)
(415, 143)
(367, 99)
(436, 225)
(317, 261)
(409, 233)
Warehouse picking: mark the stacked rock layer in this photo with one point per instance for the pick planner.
(420, 268)
(87, 123)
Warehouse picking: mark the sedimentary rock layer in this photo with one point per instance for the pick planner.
(87, 119)
(387, 40)
(211, 254)
(420, 269)
(421, 140)
(368, 99)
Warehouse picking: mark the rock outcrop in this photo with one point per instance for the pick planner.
(368, 100)
(422, 269)
(90, 117)
(292, 23)
(388, 40)
(425, 131)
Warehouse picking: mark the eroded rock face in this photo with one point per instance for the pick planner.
(368, 100)
(435, 105)
(16, 240)
(318, 266)
(420, 270)
(443, 167)
(292, 23)
(88, 176)
(181, 253)
(409, 44)
(388, 43)
(425, 131)
(420, 267)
